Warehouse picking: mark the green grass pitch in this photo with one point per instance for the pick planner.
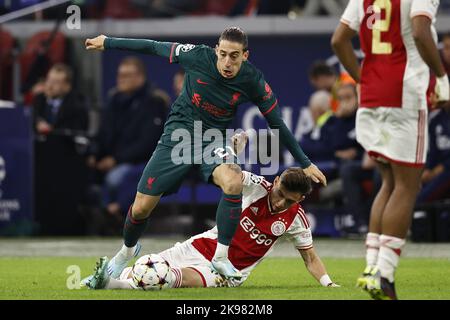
(275, 278)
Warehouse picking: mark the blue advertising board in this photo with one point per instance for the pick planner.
(16, 183)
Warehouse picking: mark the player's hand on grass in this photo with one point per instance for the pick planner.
(315, 174)
(97, 43)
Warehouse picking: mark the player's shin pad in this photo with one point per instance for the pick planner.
(227, 216)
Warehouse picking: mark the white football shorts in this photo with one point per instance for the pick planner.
(394, 134)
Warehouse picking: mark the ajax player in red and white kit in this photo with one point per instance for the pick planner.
(270, 212)
(399, 43)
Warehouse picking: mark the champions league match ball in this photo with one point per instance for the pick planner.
(151, 272)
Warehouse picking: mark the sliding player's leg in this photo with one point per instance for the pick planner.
(195, 276)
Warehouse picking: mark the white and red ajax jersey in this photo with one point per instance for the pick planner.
(259, 229)
(393, 73)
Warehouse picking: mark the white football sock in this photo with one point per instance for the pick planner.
(176, 278)
(127, 252)
(372, 248)
(221, 252)
(389, 255)
(120, 284)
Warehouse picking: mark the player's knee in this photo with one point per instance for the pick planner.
(140, 211)
(191, 279)
(232, 180)
(411, 189)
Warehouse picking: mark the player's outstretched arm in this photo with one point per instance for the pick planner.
(316, 267)
(102, 42)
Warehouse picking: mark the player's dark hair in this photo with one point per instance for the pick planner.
(295, 180)
(320, 68)
(235, 34)
(61, 67)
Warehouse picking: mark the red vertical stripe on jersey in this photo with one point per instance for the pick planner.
(303, 217)
(382, 74)
(420, 137)
(171, 53)
(266, 185)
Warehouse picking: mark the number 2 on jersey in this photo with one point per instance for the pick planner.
(381, 25)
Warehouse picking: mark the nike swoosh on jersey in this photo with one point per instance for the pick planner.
(201, 82)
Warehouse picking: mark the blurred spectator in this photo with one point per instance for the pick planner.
(324, 77)
(445, 52)
(6, 64)
(316, 143)
(130, 128)
(178, 81)
(436, 176)
(58, 108)
(352, 172)
(344, 140)
(60, 121)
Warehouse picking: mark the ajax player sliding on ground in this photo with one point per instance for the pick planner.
(270, 212)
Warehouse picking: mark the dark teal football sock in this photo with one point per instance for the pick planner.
(227, 217)
(133, 229)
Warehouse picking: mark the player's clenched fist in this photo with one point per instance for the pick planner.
(96, 44)
(239, 141)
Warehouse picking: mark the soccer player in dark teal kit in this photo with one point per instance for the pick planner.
(217, 81)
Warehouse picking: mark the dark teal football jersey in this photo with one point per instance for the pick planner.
(207, 96)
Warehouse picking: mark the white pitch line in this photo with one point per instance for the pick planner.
(326, 248)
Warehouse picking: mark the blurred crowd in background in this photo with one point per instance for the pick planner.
(103, 165)
(131, 9)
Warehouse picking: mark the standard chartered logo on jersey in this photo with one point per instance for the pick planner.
(7, 206)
